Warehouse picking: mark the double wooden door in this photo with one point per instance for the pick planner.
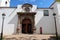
(27, 26)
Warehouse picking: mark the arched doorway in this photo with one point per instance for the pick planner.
(27, 26)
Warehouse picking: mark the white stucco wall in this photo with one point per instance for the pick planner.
(11, 19)
(57, 11)
(46, 22)
(3, 3)
(8, 28)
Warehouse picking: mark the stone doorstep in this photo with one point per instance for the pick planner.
(27, 35)
(34, 36)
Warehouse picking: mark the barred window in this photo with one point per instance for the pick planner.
(46, 13)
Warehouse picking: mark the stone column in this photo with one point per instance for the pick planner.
(34, 28)
(19, 26)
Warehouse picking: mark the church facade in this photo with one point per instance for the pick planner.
(28, 19)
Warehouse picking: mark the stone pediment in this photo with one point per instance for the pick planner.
(27, 8)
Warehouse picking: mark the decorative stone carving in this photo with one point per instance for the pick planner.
(19, 26)
(27, 15)
(27, 7)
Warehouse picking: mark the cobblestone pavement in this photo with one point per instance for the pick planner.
(27, 37)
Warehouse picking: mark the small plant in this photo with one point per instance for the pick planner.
(58, 0)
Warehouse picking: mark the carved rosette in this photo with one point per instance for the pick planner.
(27, 7)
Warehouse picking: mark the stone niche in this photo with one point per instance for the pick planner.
(26, 22)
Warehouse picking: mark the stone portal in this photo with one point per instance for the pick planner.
(26, 21)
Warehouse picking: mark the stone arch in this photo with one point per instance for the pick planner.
(28, 20)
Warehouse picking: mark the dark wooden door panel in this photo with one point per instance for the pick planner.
(27, 26)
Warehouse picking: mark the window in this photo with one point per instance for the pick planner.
(46, 13)
(6, 2)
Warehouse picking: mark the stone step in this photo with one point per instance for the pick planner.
(27, 37)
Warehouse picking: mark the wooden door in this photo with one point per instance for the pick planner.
(27, 26)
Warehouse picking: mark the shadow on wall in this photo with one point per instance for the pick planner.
(14, 21)
(47, 25)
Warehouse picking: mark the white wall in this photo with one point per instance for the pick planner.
(8, 28)
(57, 11)
(46, 22)
(11, 19)
(3, 3)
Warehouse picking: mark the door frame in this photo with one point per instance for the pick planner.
(30, 15)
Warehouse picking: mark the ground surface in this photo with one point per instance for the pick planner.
(27, 37)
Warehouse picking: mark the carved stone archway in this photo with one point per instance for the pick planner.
(26, 16)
